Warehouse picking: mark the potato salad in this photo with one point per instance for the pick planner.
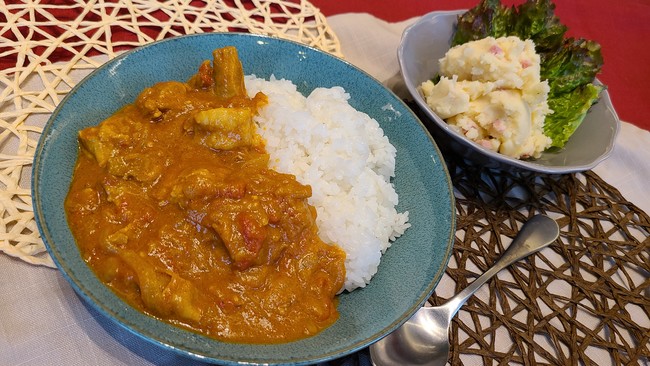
(490, 91)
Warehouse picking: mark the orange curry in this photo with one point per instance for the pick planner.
(175, 209)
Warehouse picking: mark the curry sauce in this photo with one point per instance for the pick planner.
(173, 206)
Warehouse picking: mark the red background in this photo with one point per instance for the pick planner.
(621, 27)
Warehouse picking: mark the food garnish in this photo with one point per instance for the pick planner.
(570, 65)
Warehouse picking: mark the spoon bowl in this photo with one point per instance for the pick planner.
(424, 339)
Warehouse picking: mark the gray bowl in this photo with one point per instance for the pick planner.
(427, 40)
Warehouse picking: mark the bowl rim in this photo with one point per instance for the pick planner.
(531, 165)
(97, 305)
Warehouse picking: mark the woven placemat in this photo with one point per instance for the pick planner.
(597, 271)
(46, 47)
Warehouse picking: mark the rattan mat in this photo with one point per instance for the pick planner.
(598, 269)
(46, 47)
(534, 313)
(538, 305)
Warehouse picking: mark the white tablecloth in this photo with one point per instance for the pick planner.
(43, 322)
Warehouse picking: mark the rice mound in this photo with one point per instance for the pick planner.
(345, 157)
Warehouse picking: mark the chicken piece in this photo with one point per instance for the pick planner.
(160, 98)
(89, 140)
(138, 166)
(203, 184)
(227, 128)
(242, 226)
(111, 144)
(272, 183)
(162, 293)
(105, 140)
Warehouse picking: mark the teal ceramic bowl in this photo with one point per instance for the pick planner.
(410, 269)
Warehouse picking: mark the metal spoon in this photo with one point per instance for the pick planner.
(424, 339)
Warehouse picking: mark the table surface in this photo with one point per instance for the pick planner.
(48, 324)
(621, 27)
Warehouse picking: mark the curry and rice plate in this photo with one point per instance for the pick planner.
(235, 208)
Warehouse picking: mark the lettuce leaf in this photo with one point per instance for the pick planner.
(569, 109)
(570, 65)
(488, 19)
(536, 20)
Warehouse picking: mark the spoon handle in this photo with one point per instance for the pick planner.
(527, 242)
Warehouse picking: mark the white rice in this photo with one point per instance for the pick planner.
(345, 157)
